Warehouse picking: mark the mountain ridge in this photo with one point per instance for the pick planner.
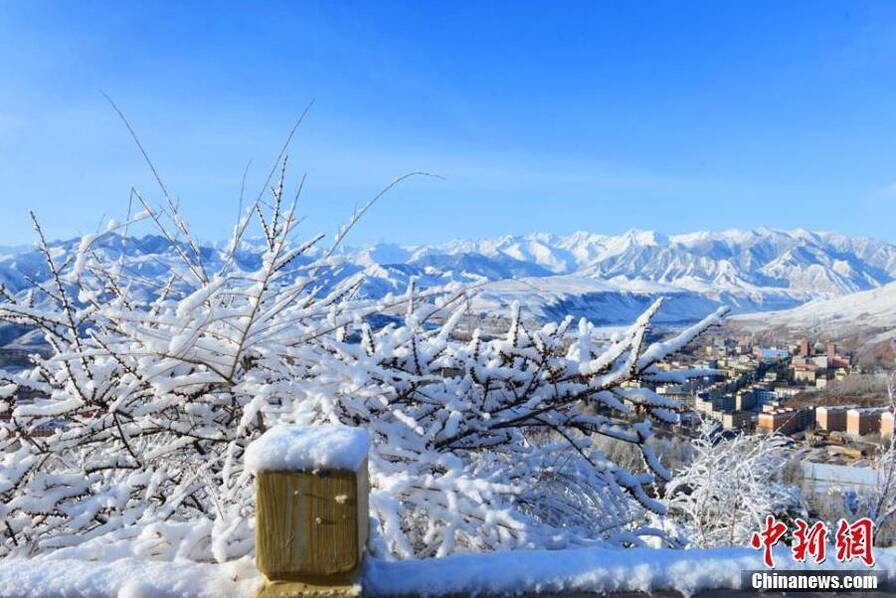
(604, 277)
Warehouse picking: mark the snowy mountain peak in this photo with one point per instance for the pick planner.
(646, 237)
(750, 270)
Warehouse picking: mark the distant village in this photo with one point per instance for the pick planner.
(793, 390)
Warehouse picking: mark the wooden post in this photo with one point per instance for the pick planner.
(312, 519)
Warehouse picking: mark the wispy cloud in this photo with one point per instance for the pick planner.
(510, 171)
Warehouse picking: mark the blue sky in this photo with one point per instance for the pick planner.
(556, 117)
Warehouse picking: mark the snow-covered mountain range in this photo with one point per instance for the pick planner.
(608, 278)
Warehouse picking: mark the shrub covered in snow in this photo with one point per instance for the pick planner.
(154, 389)
(723, 494)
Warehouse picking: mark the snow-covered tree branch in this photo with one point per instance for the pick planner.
(154, 389)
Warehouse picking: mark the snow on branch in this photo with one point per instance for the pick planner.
(153, 391)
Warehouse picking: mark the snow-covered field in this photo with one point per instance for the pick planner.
(532, 571)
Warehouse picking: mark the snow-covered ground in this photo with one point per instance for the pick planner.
(583, 570)
(534, 571)
(126, 578)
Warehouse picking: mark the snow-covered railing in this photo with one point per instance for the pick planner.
(312, 507)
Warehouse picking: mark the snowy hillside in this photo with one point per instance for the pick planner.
(603, 302)
(867, 311)
(608, 278)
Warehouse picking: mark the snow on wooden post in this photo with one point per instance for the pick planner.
(311, 508)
